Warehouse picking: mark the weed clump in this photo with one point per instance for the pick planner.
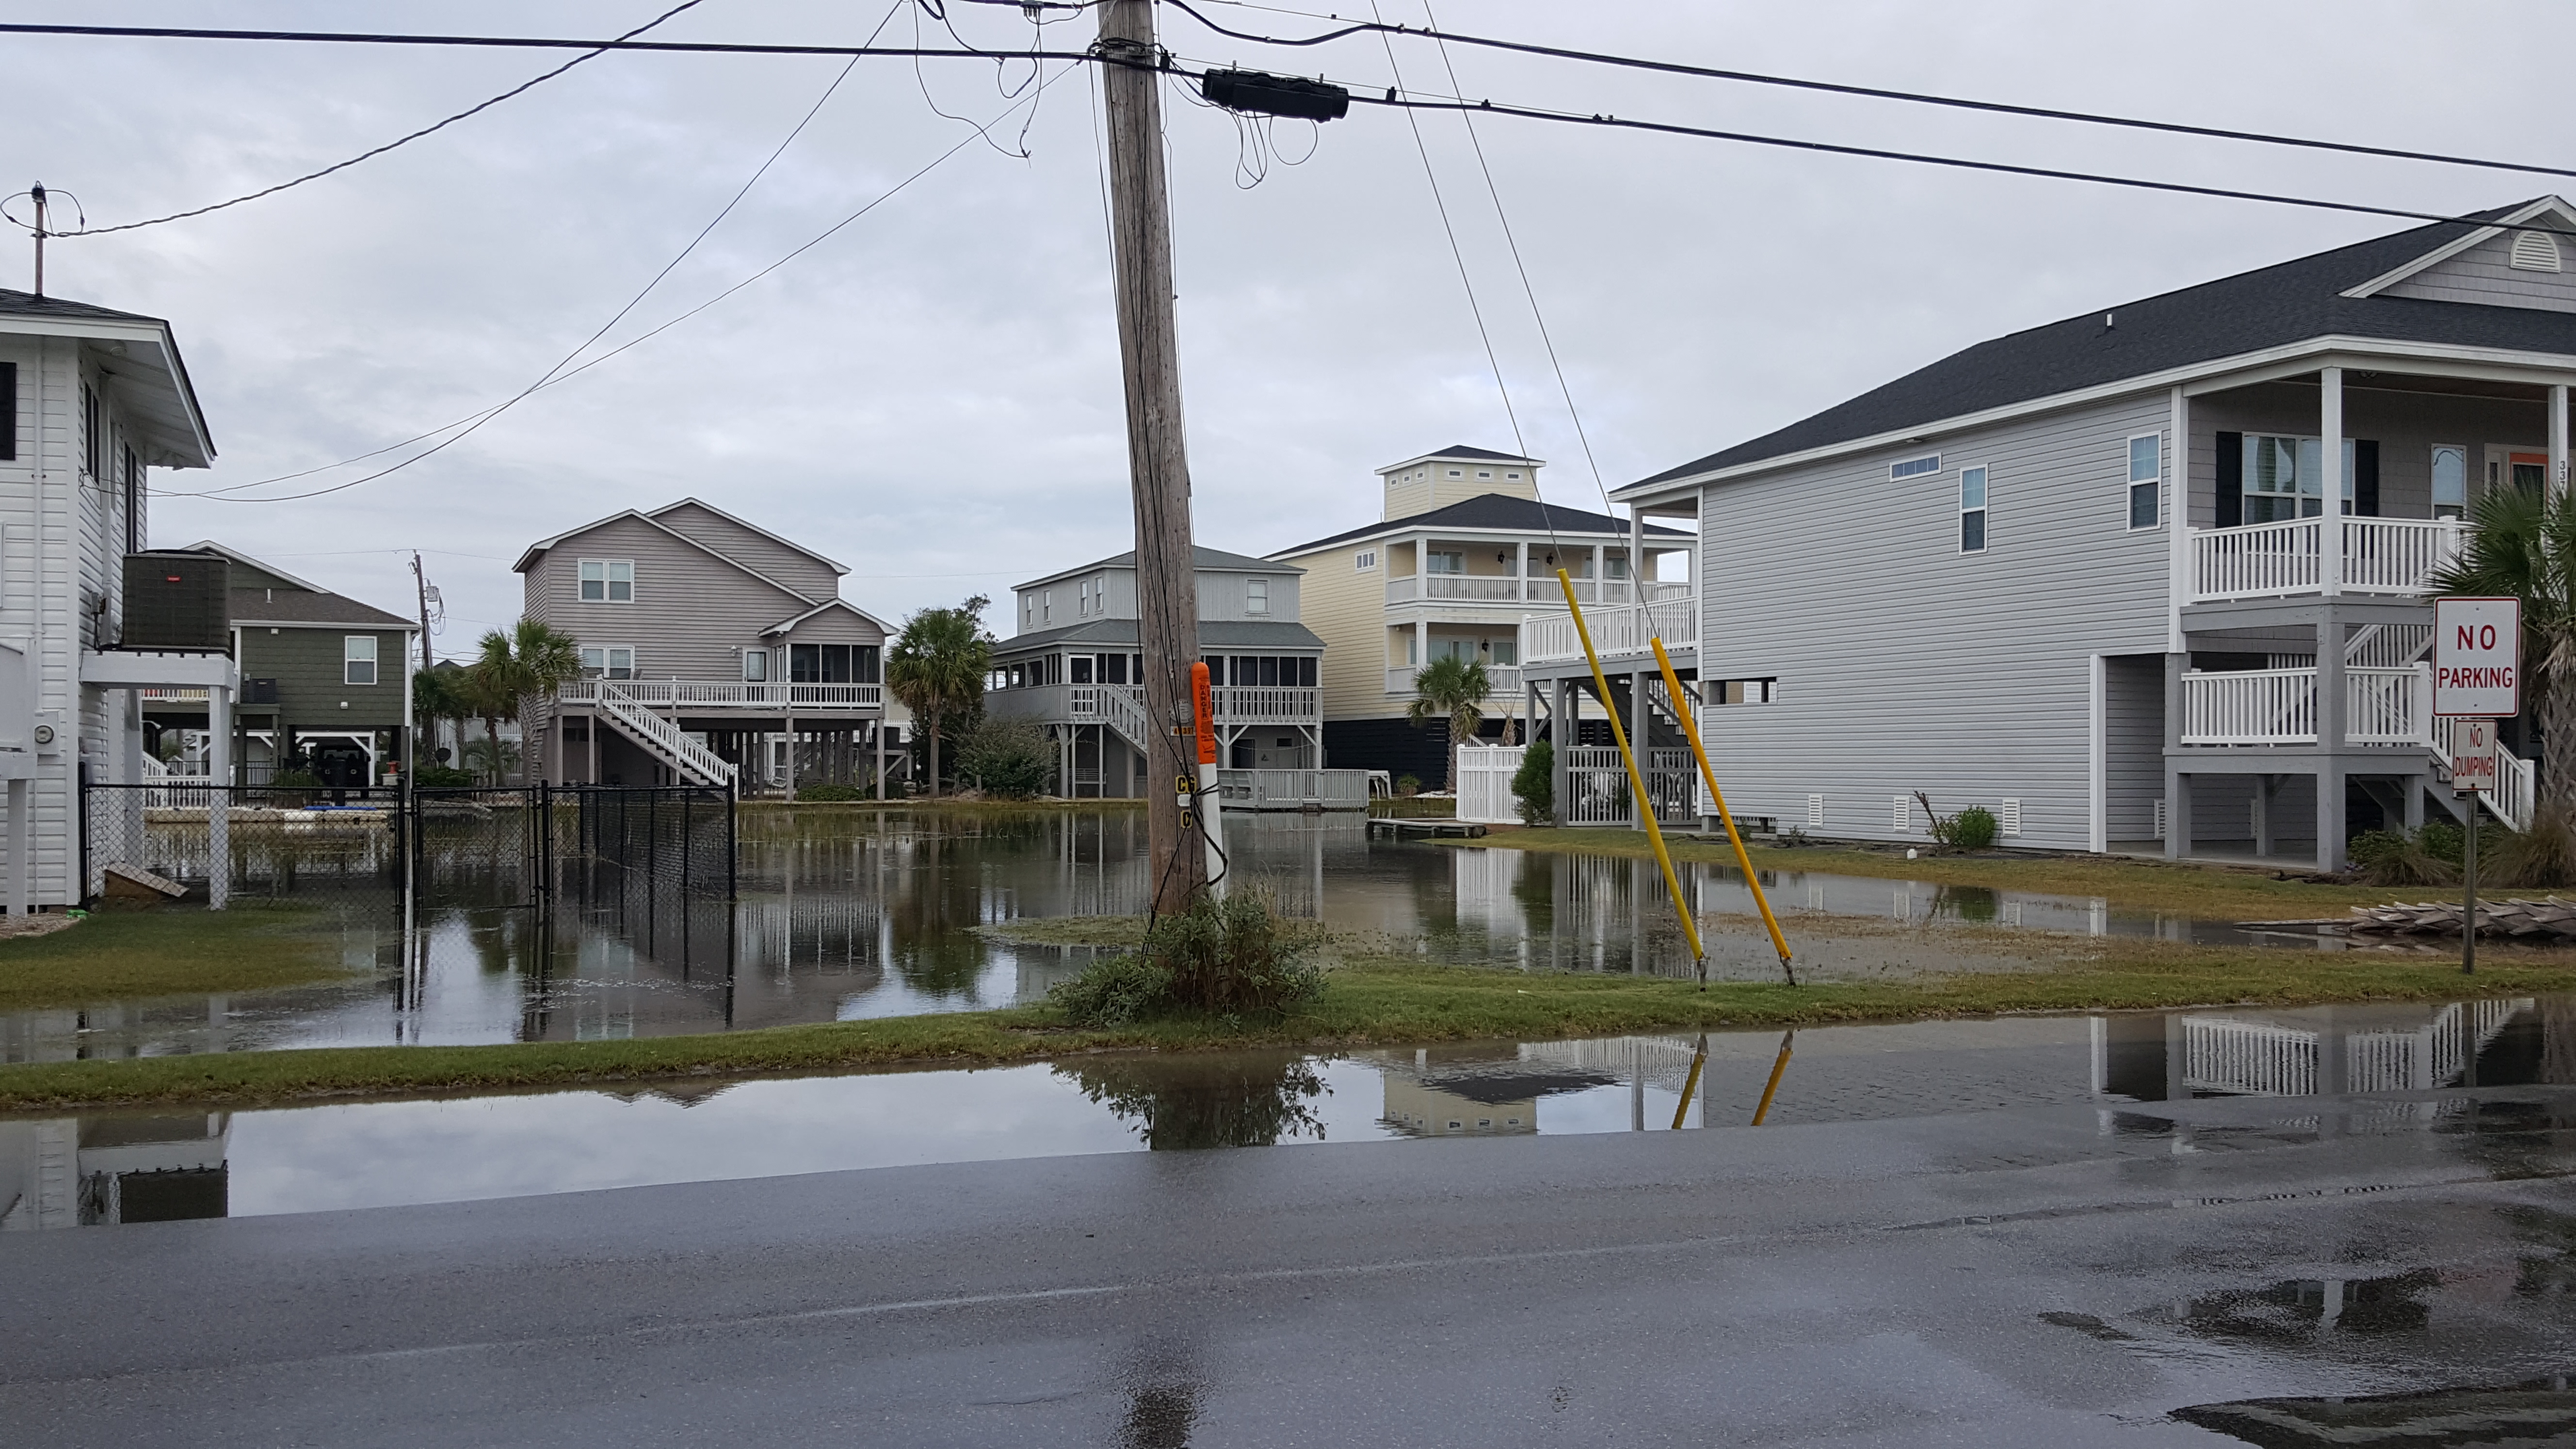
(2395, 858)
(1230, 958)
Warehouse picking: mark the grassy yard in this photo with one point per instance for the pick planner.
(2208, 892)
(1367, 1002)
(169, 951)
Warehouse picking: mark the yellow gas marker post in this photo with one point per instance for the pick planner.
(1708, 773)
(1637, 783)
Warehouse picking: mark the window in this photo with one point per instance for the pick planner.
(358, 659)
(133, 478)
(1515, 477)
(2285, 478)
(1444, 563)
(91, 433)
(831, 664)
(1256, 596)
(1507, 651)
(607, 581)
(1046, 604)
(1364, 560)
(755, 666)
(8, 410)
(1484, 472)
(2450, 480)
(1614, 566)
(2146, 471)
(1915, 467)
(1081, 666)
(1972, 510)
(1454, 473)
(613, 662)
(1742, 691)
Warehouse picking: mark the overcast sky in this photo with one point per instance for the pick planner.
(932, 395)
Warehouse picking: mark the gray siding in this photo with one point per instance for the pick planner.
(2482, 275)
(693, 612)
(796, 569)
(2134, 773)
(1904, 664)
(1222, 597)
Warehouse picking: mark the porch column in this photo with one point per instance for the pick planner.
(791, 756)
(1637, 554)
(2097, 773)
(877, 732)
(2330, 535)
(2177, 517)
(219, 768)
(2557, 438)
(1421, 642)
(1520, 572)
(1560, 728)
(2265, 786)
(2177, 816)
(2330, 823)
(1640, 716)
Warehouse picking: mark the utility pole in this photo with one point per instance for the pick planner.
(422, 579)
(1158, 468)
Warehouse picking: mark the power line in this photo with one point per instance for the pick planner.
(1919, 98)
(389, 145)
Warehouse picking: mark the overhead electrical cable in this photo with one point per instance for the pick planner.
(2089, 118)
(1360, 97)
(398, 141)
(477, 420)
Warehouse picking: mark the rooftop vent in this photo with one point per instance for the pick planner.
(2535, 251)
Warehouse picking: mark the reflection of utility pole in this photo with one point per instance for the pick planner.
(1167, 627)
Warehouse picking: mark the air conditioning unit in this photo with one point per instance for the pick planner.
(178, 602)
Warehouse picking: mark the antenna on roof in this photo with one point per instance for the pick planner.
(42, 226)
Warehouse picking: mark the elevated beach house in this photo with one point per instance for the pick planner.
(1462, 551)
(712, 651)
(2151, 578)
(1071, 667)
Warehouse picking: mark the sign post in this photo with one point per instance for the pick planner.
(2477, 680)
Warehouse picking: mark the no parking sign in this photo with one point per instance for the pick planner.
(2477, 658)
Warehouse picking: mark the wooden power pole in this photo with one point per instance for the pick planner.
(1167, 594)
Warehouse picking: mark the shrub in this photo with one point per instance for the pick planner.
(1225, 958)
(829, 792)
(1534, 783)
(1006, 758)
(1408, 784)
(2543, 856)
(442, 777)
(1971, 829)
(2442, 840)
(2394, 858)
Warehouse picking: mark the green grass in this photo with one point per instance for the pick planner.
(2209, 892)
(1371, 1002)
(169, 951)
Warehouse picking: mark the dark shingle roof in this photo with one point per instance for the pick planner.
(2268, 307)
(1499, 511)
(295, 606)
(1461, 450)
(28, 304)
(1204, 558)
(1213, 634)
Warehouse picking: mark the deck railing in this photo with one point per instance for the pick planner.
(1504, 679)
(727, 694)
(1504, 589)
(2266, 560)
(1614, 631)
(2279, 706)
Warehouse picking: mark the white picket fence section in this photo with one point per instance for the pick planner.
(1597, 790)
(1485, 783)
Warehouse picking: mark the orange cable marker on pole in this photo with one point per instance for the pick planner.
(1708, 773)
(1209, 798)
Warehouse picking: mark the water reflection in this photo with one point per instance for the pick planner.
(874, 913)
(108, 1168)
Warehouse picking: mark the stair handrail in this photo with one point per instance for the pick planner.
(664, 736)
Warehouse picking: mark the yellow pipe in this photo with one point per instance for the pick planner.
(1708, 772)
(1699, 1059)
(1777, 1067)
(1637, 783)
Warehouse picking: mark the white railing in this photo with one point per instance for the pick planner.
(1597, 791)
(2380, 556)
(1614, 631)
(2387, 706)
(1404, 590)
(1119, 706)
(170, 791)
(1503, 680)
(1294, 789)
(1267, 704)
(2516, 780)
(1472, 588)
(2250, 707)
(1484, 783)
(661, 736)
(1537, 589)
(730, 694)
(2248, 1057)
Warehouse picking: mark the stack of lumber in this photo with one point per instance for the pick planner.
(2549, 917)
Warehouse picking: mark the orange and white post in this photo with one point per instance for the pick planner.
(1209, 797)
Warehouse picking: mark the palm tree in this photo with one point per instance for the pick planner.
(511, 672)
(437, 695)
(1452, 689)
(2523, 546)
(936, 666)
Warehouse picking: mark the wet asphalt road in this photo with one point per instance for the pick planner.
(2049, 1276)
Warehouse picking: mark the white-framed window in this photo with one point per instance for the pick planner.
(1741, 691)
(1444, 563)
(1256, 596)
(2450, 480)
(1046, 605)
(1924, 466)
(1972, 510)
(1457, 473)
(2285, 478)
(1515, 477)
(2146, 474)
(609, 661)
(1614, 566)
(608, 581)
(358, 659)
(755, 666)
(1365, 560)
(1484, 472)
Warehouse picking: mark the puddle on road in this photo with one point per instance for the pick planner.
(123, 1167)
(2539, 1412)
(875, 913)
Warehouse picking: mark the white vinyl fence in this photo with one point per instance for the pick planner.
(1485, 783)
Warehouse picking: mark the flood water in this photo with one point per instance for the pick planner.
(108, 1168)
(854, 914)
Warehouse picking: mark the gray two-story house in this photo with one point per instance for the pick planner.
(1072, 667)
(2151, 578)
(712, 650)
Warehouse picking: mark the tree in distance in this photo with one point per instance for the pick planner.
(936, 666)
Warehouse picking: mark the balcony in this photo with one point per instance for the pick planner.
(2279, 706)
(1511, 592)
(1236, 704)
(2382, 556)
(1552, 637)
(1506, 680)
(732, 695)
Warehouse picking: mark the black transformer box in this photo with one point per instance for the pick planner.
(178, 602)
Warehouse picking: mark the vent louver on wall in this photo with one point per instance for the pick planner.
(1815, 812)
(2535, 251)
(2012, 817)
(177, 601)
